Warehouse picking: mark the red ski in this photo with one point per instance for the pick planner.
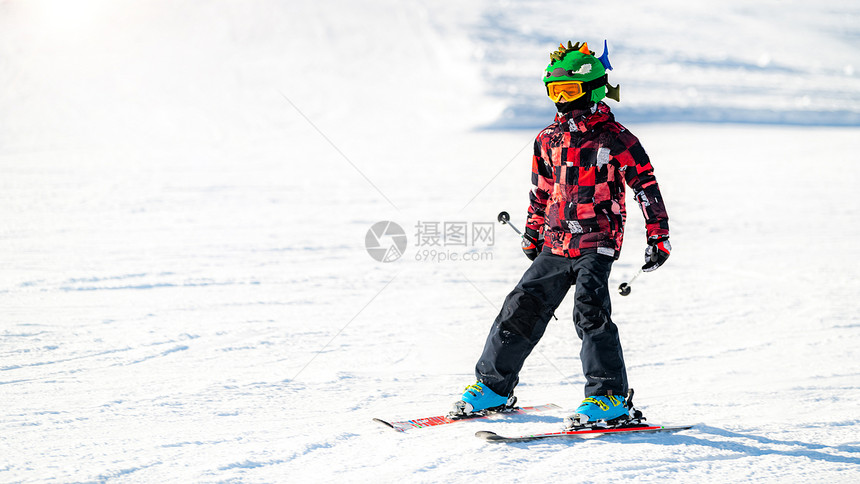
(421, 423)
(580, 434)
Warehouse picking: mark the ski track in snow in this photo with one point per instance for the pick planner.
(186, 295)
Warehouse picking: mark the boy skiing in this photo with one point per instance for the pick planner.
(573, 235)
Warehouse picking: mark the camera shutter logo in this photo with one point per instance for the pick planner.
(385, 241)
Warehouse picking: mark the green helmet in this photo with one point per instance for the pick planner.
(576, 63)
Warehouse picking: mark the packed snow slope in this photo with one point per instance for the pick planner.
(185, 194)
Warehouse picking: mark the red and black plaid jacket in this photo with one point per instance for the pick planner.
(580, 165)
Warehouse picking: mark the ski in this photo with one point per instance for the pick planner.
(581, 434)
(420, 423)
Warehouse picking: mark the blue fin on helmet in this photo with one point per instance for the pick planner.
(604, 58)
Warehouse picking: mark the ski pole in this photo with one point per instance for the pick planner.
(624, 287)
(504, 218)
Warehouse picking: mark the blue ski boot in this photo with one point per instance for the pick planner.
(604, 410)
(478, 398)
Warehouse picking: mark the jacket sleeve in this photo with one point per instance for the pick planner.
(542, 184)
(639, 175)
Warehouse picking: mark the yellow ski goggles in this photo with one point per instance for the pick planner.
(564, 90)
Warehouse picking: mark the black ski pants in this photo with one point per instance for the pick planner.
(529, 307)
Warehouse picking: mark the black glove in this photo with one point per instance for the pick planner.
(532, 243)
(657, 252)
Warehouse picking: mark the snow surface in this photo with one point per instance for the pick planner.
(186, 188)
